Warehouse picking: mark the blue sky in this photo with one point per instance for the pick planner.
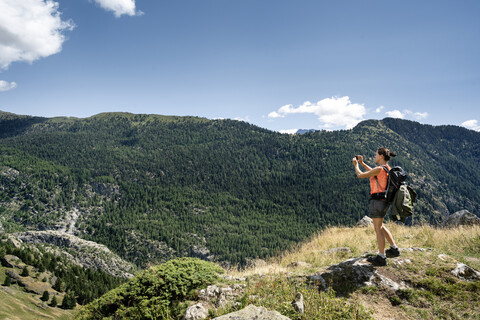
(276, 64)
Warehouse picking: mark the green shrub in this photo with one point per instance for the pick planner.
(54, 302)
(156, 293)
(25, 272)
(45, 296)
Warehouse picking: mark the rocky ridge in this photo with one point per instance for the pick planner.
(89, 254)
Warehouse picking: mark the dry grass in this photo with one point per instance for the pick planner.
(457, 242)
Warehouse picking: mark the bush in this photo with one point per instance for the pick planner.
(45, 296)
(7, 282)
(69, 301)
(155, 293)
(54, 302)
(25, 272)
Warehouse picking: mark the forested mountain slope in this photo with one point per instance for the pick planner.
(154, 187)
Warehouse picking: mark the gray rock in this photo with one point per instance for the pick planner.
(17, 243)
(211, 292)
(365, 222)
(345, 277)
(298, 303)
(461, 218)
(13, 275)
(351, 274)
(252, 312)
(196, 312)
(464, 272)
(202, 252)
(390, 284)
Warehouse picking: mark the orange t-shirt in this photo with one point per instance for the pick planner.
(382, 180)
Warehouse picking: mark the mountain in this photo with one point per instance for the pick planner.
(152, 187)
(303, 131)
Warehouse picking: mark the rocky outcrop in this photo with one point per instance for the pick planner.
(365, 222)
(351, 274)
(86, 253)
(196, 312)
(464, 272)
(220, 297)
(462, 218)
(202, 252)
(344, 277)
(252, 312)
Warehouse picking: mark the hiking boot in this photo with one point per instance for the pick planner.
(377, 261)
(392, 252)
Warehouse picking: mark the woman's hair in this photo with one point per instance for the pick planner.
(387, 154)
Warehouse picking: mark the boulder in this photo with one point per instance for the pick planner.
(221, 297)
(252, 312)
(365, 222)
(351, 274)
(196, 312)
(461, 218)
(464, 272)
(344, 277)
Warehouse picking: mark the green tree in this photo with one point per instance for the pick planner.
(69, 301)
(45, 296)
(54, 302)
(59, 285)
(3, 251)
(7, 281)
(25, 272)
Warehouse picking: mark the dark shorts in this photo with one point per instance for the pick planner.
(378, 208)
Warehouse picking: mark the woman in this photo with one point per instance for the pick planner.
(378, 205)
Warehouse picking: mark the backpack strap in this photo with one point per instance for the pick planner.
(388, 180)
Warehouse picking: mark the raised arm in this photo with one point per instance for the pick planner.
(360, 160)
(367, 174)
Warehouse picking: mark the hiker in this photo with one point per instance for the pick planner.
(378, 204)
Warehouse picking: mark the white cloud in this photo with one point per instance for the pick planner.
(406, 113)
(245, 119)
(30, 30)
(5, 85)
(275, 114)
(119, 7)
(289, 131)
(331, 112)
(395, 114)
(472, 125)
(379, 109)
(420, 115)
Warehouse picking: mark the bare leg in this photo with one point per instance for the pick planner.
(378, 225)
(388, 235)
